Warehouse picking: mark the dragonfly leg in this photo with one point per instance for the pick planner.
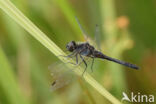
(92, 64)
(77, 63)
(84, 63)
(71, 55)
(68, 56)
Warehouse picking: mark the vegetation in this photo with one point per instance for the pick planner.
(24, 74)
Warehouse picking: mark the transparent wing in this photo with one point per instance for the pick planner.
(61, 76)
(97, 36)
(85, 35)
(96, 41)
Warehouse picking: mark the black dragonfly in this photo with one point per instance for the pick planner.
(87, 50)
(82, 49)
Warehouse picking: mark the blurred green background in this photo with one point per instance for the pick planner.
(127, 32)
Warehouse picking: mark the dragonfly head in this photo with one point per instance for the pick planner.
(71, 46)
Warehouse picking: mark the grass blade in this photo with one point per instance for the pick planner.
(8, 82)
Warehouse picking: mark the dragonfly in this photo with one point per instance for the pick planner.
(81, 50)
(85, 49)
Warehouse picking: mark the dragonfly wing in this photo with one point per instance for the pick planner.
(61, 76)
(97, 37)
(86, 36)
(60, 81)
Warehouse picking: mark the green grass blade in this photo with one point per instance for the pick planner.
(8, 82)
(22, 20)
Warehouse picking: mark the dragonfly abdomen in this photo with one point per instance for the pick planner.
(98, 54)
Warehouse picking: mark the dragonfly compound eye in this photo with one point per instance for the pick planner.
(71, 46)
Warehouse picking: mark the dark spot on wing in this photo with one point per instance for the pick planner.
(53, 83)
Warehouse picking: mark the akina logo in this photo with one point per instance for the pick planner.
(138, 97)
